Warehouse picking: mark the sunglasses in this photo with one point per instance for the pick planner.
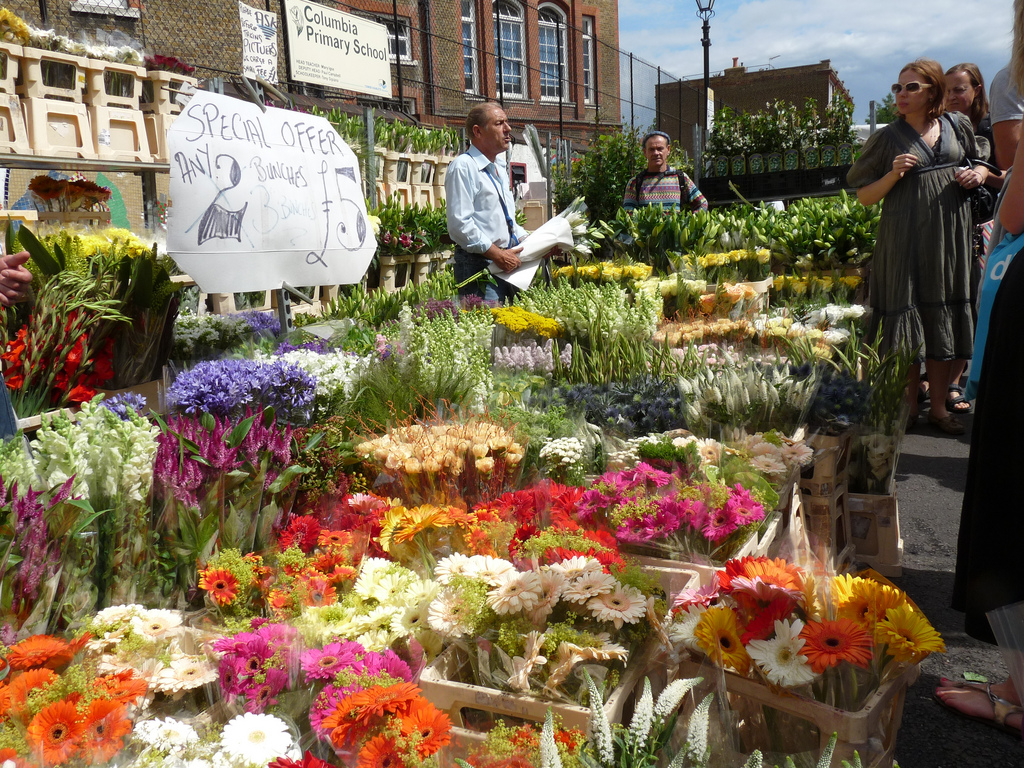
(909, 87)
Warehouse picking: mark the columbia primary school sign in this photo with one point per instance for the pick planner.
(337, 50)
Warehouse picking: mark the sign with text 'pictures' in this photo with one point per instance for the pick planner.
(259, 43)
(259, 199)
(337, 50)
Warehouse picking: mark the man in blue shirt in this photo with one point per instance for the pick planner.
(481, 211)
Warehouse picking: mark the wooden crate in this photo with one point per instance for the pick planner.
(453, 698)
(826, 521)
(830, 468)
(875, 532)
(870, 731)
(153, 391)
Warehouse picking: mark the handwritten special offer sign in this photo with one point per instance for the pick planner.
(259, 199)
(328, 47)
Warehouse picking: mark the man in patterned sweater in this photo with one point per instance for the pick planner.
(660, 185)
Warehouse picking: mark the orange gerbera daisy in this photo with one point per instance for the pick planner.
(380, 752)
(220, 583)
(829, 642)
(43, 651)
(121, 686)
(106, 725)
(428, 727)
(318, 591)
(55, 732)
(379, 700)
(772, 570)
(334, 538)
(26, 682)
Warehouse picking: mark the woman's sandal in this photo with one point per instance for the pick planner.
(1001, 708)
(947, 424)
(956, 402)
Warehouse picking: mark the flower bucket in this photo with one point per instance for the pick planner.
(774, 720)
(473, 707)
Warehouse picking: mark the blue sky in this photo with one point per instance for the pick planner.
(868, 41)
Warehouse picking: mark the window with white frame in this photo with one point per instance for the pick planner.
(400, 43)
(469, 58)
(509, 37)
(554, 53)
(589, 88)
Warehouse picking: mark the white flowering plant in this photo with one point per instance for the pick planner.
(532, 630)
(157, 646)
(386, 608)
(336, 373)
(108, 453)
(245, 741)
(564, 460)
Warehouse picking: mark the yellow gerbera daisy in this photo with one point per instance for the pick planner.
(718, 635)
(865, 601)
(908, 634)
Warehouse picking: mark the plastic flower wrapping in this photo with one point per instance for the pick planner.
(833, 639)
(534, 628)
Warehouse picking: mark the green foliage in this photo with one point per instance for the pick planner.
(823, 232)
(407, 230)
(201, 337)
(599, 176)
(377, 307)
(885, 112)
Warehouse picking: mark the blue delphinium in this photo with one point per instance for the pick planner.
(119, 404)
(227, 387)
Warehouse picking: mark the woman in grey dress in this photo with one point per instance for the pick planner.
(920, 289)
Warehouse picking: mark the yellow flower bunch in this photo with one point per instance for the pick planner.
(519, 320)
(93, 243)
(761, 255)
(400, 525)
(13, 29)
(607, 271)
(801, 285)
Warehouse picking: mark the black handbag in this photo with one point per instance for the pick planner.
(982, 199)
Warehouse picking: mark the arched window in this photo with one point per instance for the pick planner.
(469, 58)
(554, 54)
(509, 36)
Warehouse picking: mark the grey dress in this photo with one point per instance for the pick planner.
(920, 284)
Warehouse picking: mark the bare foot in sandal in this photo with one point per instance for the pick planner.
(985, 704)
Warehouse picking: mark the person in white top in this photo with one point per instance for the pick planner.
(481, 210)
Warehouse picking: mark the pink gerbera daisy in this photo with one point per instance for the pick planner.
(719, 524)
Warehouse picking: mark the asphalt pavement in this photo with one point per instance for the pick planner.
(931, 474)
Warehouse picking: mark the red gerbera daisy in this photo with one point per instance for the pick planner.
(832, 641)
(220, 583)
(54, 733)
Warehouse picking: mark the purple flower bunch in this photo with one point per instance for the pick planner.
(228, 387)
(119, 404)
(529, 357)
(186, 474)
(255, 665)
(348, 668)
(40, 555)
(317, 345)
(645, 505)
(434, 308)
(262, 323)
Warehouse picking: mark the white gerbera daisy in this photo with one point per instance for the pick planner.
(589, 585)
(798, 453)
(257, 739)
(623, 605)
(370, 572)
(115, 614)
(156, 623)
(515, 592)
(576, 567)
(490, 569)
(165, 734)
(389, 586)
(769, 465)
(456, 564)
(780, 658)
(186, 673)
(680, 631)
(551, 585)
(449, 614)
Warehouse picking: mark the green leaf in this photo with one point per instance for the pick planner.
(9, 237)
(208, 422)
(142, 284)
(40, 255)
(238, 434)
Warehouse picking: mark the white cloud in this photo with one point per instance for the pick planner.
(867, 41)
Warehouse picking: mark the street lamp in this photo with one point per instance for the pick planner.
(705, 10)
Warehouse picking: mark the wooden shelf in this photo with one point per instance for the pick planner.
(40, 163)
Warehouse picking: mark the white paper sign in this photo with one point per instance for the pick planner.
(328, 47)
(259, 43)
(259, 199)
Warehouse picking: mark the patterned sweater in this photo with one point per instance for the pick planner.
(663, 189)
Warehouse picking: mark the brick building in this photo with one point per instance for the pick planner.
(745, 91)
